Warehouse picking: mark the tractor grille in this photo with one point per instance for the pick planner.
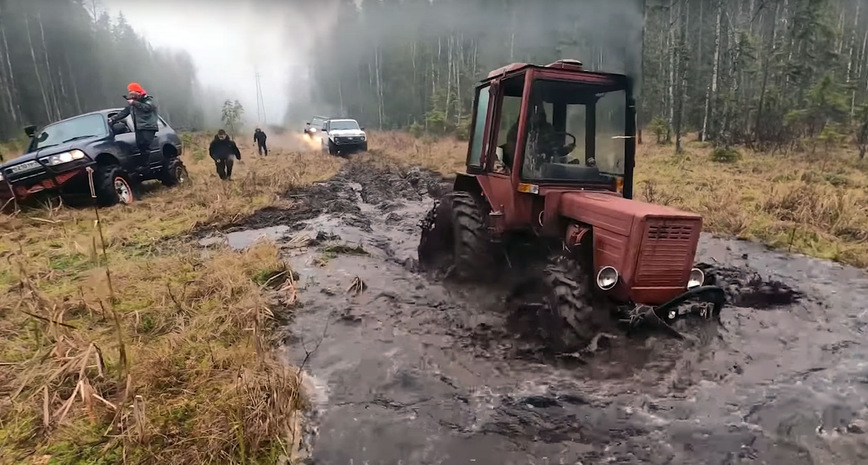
(665, 253)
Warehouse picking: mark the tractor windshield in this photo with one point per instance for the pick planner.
(575, 132)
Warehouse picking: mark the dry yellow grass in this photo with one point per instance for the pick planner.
(171, 364)
(167, 358)
(813, 205)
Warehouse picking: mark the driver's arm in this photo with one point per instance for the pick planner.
(121, 115)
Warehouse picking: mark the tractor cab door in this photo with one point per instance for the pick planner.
(493, 145)
(483, 108)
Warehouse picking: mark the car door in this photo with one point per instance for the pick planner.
(157, 145)
(127, 139)
(324, 135)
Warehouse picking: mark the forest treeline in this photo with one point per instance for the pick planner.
(59, 58)
(771, 74)
(767, 73)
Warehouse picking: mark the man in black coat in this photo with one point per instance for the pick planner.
(222, 149)
(259, 137)
(144, 111)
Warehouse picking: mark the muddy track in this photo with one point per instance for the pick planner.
(412, 370)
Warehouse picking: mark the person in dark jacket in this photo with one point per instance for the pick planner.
(259, 137)
(222, 149)
(144, 111)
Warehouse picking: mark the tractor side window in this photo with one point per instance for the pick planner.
(507, 125)
(474, 157)
(611, 140)
(507, 132)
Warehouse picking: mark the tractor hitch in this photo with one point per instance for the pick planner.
(662, 315)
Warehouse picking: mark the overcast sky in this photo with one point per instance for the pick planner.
(228, 40)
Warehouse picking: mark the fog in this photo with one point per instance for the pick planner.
(311, 53)
(229, 42)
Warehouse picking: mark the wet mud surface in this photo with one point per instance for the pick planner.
(406, 369)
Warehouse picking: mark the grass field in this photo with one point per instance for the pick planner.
(156, 351)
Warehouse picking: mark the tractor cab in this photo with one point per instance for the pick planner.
(554, 127)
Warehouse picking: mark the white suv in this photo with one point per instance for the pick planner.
(344, 136)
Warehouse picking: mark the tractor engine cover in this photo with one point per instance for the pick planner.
(652, 247)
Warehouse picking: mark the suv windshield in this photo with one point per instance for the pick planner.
(343, 125)
(317, 122)
(575, 133)
(66, 131)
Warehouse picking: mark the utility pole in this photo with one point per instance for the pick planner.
(260, 103)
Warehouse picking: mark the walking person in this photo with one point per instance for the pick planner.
(144, 111)
(221, 150)
(259, 137)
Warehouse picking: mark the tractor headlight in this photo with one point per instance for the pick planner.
(607, 278)
(64, 157)
(697, 278)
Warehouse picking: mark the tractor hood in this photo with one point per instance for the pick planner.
(615, 213)
(651, 246)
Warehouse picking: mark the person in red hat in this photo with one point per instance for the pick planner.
(144, 111)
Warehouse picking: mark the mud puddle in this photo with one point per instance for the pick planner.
(406, 370)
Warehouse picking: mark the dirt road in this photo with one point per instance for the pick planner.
(408, 370)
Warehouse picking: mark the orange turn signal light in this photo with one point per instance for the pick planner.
(528, 188)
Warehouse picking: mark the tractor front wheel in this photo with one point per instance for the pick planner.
(456, 233)
(569, 323)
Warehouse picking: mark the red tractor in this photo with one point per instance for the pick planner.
(551, 157)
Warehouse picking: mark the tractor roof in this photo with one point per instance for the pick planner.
(575, 66)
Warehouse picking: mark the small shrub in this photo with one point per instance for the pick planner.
(725, 155)
(417, 130)
(660, 128)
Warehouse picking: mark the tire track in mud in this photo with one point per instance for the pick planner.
(413, 370)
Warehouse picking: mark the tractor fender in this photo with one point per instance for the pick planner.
(577, 235)
(467, 183)
(482, 186)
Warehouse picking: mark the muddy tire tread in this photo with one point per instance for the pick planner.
(569, 296)
(471, 245)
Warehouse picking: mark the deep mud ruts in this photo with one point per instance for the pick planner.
(413, 371)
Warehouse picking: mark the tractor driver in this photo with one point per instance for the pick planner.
(540, 134)
(542, 140)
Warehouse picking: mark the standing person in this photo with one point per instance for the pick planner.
(222, 149)
(259, 137)
(144, 111)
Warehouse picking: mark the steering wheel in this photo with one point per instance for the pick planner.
(563, 150)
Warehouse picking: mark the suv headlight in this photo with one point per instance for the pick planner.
(64, 157)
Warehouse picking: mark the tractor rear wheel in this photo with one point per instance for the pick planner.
(455, 231)
(570, 324)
